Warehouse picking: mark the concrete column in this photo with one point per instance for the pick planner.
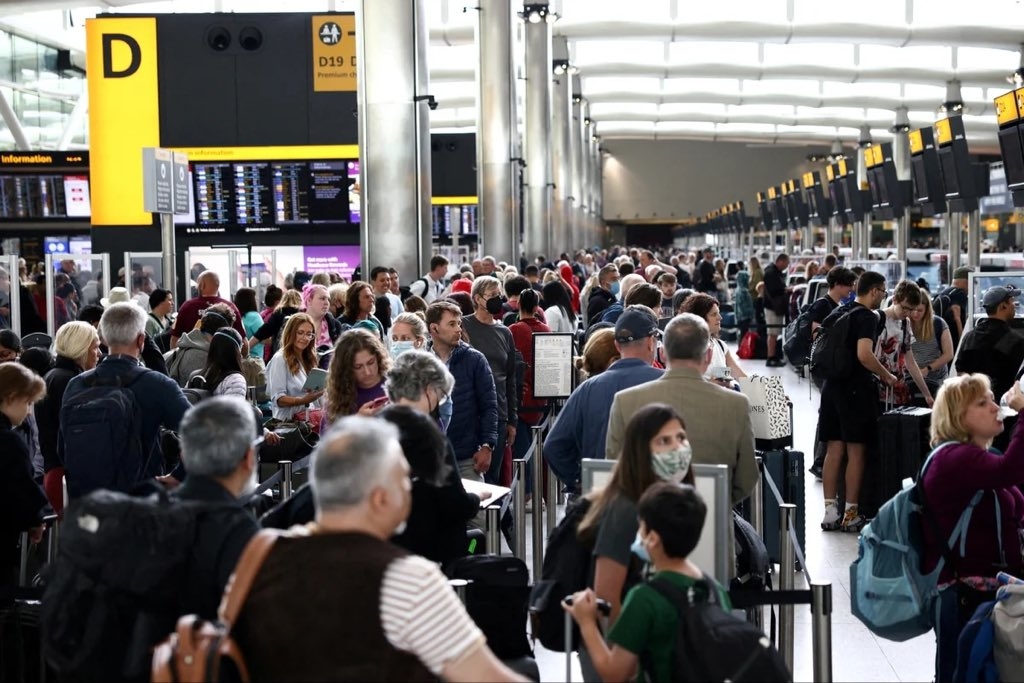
(901, 159)
(561, 146)
(394, 136)
(598, 235)
(537, 229)
(586, 189)
(495, 129)
(576, 224)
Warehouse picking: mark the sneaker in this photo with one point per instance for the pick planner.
(853, 521)
(832, 519)
(816, 471)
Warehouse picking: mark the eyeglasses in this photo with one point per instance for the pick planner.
(305, 335)
(883, 290)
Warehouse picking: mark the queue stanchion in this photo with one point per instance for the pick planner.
(493, 529)
(552, 513)
(538, 505)
(459, 586)
(519, 506)
(756, 614)
(787, 512)
(821, 630)
(23, 562)
(286, 479)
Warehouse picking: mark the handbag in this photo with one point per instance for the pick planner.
(198, 649)
(298, 438)
(771, 413)
(1008, 619)
(748, 346)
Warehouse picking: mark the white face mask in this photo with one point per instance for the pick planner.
(672, 465)
(400, 347)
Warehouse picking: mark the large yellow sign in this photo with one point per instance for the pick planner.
(124, 114)
(334, 53)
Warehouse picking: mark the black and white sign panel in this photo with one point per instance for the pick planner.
(552, 365)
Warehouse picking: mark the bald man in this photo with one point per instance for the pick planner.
(208, 286)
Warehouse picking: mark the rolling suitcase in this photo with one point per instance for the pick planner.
(903, 436)
(497, 598)
(786, 468)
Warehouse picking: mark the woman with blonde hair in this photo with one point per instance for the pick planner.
(933, 344)
(961, 474)
(756, 275)
(287, 371)
(355, 379)
(78, 349)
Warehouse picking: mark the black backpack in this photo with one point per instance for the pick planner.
(566, 570)
(116, 587)
(831, 356)
(753, 566)
(942, 305)
(796, 338)
(713, 645)
(101, 427)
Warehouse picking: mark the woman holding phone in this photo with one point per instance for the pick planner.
(289, 368)
(355, 378)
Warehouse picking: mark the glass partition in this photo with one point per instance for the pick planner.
(979, 283)
(894, 271)
(10, 302)
(70, 284)
(143, 274)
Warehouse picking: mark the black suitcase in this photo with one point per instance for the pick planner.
(903, 435)
(786, 468)
(498, 600)
(21, 655)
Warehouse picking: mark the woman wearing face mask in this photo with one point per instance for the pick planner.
(655, 449)
(408, 332)
(355, 379)
(21, 498)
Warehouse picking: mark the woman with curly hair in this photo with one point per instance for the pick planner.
(355, 378)
(286, 373)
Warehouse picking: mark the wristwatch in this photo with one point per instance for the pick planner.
(487, 446)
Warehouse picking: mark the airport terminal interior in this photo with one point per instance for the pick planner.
(143, 143)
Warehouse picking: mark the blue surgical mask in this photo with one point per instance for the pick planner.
(615, 288)
(400, 347)
(639, 550)
(672, 465)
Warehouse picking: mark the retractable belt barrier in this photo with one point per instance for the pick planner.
(819, 596)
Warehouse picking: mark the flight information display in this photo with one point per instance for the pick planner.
(454, 219)
(270, 196)
(44, 197)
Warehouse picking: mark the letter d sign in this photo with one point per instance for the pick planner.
(108, 55)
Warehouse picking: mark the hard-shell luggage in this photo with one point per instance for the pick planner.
(786, 468)
(903, 436)
(604, 609)
(21, 659)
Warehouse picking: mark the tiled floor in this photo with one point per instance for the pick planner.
(857, 655)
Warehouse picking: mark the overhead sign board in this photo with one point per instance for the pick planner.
(334, 53)
(164, 181)
(179, 168)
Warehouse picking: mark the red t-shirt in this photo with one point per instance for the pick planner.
(188, 315)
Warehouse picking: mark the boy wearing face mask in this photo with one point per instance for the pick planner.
(671, 518)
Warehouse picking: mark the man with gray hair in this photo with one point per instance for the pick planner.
(219, 444)
(111, 416)
(717, 420)
(359, 608)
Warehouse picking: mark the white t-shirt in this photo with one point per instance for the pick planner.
(719, 356)
(421, 614)
(557, 321)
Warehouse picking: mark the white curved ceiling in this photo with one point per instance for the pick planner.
(788, 71)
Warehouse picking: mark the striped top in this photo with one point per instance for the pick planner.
(422, 615)
(925, 352)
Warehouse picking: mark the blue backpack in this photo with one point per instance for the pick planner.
(975, 648)
(888, 591)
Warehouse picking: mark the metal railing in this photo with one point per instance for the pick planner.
(818, 596)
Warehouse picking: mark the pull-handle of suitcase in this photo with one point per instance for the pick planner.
(604, 609)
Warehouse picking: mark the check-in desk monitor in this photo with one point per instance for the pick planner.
(925, 173)
(964, 182)
(889, 195)
(1009, 108)
(764, 207)
(836, 194)
(799, 214)
(819, 204)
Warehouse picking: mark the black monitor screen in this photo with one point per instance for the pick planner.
(947, 162)
(1013, 158)
(920, 178)
(876, 182)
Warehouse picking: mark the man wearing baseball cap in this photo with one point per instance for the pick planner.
(581, 427)
(991, 347)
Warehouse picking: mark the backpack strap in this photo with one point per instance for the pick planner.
(241, 580)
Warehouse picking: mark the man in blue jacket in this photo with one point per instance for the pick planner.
(581, 427)
(473, 430)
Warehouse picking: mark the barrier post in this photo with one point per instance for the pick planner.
(821, 630)
(493, 529)
(519, 505)
(552, 513)
(23, 565)
(755, 615)
(52, 539)
(538, 505)
(460, 588)
(286, 479)
(787, 511)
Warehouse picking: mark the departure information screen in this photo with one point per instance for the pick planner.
(44, 197)
(271, 196)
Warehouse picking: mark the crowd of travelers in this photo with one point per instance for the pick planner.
(405, 397)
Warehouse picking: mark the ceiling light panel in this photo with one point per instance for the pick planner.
(698, 52)
(860, 12)
(919, 91)
(684, 127)
(600, 84)
(777, 85)
(950, 13)
(591, 52)
(587, 11)
(691, 109)
(724, 86)
(984, 59)
(610, 110)
(865, 89)
(839, 113)
(929, 57)
(819, 54)
(761, 110)
(731, 10)
(746, 128)
(625, 126)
